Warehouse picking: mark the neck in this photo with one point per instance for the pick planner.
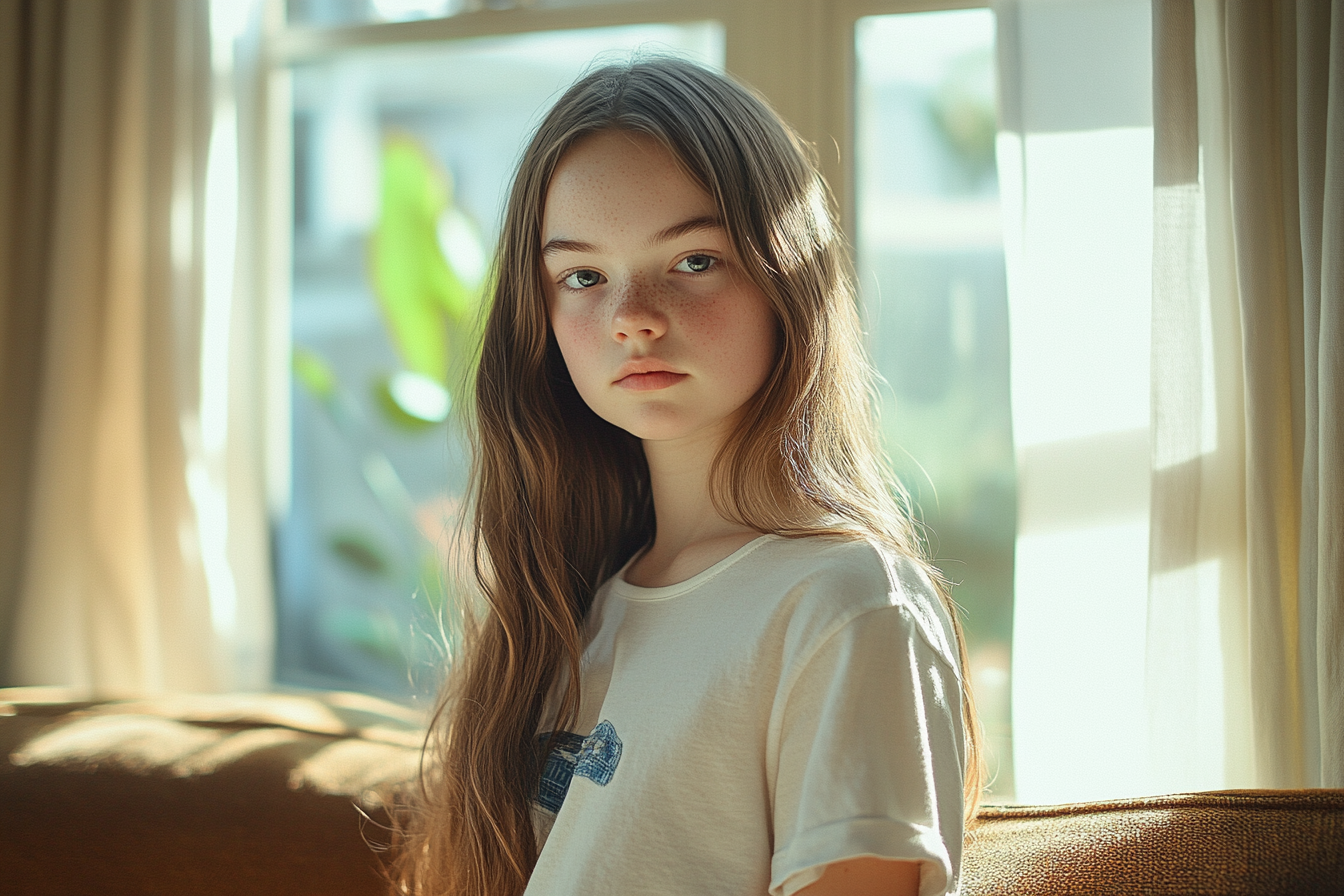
(691, 533)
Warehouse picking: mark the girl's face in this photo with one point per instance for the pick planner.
(663, 333)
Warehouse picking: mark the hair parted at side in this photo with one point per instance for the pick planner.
(561, 498)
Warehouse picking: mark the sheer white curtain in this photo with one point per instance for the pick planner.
(113, 577)
(1246, 608)
(1175, 305)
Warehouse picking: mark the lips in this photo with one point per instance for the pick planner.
(656, 379)
(645, 374)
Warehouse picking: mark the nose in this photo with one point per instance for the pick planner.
(637, 314)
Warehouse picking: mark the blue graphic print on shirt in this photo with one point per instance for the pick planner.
(593, 757)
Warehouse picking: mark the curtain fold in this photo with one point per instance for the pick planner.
(106, 111)
(1247, 499)
(28, 88)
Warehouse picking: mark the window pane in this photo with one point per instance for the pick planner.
(931, 269)
(401, 162)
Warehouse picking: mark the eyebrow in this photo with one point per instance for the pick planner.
(691, 225)
(680, 229)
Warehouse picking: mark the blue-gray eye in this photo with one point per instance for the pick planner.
(582, 279)
(696, 264)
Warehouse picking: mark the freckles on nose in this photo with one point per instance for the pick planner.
(641, 305)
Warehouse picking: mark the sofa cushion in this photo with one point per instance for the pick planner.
(238, 794)
(1253, 842)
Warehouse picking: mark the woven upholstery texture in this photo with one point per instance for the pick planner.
(1229, 843)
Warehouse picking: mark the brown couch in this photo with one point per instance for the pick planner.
(195, 796)
(281, 794)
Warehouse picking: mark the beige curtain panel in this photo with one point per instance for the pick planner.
(1247, 533)
(104, 122)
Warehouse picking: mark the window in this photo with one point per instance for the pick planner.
(1076, 157)
(395, 126)
(402, 156)
(933, 287)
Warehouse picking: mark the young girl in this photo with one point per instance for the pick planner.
(712, 659)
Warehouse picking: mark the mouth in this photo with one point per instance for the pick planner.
(654, 379)
(645, 374)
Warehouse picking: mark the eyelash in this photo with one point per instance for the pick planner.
(705, 255)
(565, 281)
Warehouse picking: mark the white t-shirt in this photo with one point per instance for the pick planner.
(795, 704)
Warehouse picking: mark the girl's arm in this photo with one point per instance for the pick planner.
(866, 876)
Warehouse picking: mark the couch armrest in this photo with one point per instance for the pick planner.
(1251, 842)
(237, 794)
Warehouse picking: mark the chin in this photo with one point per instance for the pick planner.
(655, 426)
(652, 432)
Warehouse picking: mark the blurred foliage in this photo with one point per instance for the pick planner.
(375, 634)
(965, 115)
(359, 552)
(393, 411)
(428, 310)
(430, 314)
(313, 372)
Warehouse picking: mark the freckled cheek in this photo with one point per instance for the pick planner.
(576, 327)
(738, 332)
(579, 338)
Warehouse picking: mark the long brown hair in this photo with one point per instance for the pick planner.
(561, 498)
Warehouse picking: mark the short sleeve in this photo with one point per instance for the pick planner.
(870, 748)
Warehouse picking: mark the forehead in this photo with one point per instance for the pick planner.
(618, 181)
